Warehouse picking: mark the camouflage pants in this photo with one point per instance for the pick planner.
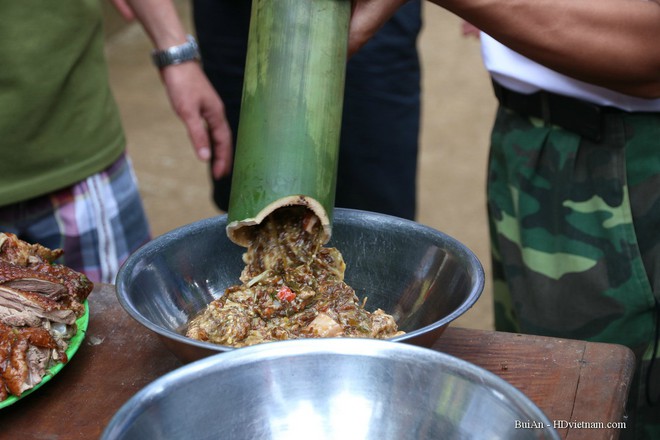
(575, 232)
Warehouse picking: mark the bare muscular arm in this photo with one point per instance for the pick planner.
(611, 43)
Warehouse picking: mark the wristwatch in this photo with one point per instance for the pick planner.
(187, 51)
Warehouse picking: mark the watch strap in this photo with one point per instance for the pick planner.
(187, 51)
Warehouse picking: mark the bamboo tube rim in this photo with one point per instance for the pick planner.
(238, 231)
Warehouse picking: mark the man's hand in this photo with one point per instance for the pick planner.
(200, 108)
(366, 18)
(191, 95)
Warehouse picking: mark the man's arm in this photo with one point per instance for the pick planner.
(610, 43)
(192, 96)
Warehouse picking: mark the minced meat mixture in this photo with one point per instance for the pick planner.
(292, 287)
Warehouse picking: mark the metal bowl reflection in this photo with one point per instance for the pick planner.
(423, 277)
(329, 389)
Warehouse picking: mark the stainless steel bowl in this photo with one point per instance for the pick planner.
(423, 277)
(329, 389)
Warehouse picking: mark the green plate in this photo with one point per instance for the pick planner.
(74, 344)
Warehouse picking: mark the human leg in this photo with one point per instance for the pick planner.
(222, 30)
(380, 125)
(574, 229)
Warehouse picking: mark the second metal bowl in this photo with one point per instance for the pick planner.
(329, 389)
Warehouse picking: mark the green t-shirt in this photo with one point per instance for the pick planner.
(59, 122)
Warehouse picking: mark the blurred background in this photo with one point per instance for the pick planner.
(457, 114)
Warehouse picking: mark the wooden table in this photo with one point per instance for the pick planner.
(571, 381)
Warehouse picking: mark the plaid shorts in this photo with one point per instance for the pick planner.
(98, 222)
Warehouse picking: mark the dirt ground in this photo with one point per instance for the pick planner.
(457, 114)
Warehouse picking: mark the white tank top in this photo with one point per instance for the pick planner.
(523, 75)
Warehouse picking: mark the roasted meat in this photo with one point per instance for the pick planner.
(24, 308)
(25, 354)
(36, 262)
(21, 253)
(40, 302)
(292, 287)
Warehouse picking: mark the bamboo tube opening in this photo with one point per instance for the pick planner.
(239, 232)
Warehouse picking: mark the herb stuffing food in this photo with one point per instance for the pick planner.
(292, 287)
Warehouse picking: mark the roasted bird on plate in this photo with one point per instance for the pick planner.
(40, 302)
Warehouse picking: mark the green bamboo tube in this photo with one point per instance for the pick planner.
(288, 135)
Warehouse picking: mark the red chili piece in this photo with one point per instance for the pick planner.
(286, 294)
